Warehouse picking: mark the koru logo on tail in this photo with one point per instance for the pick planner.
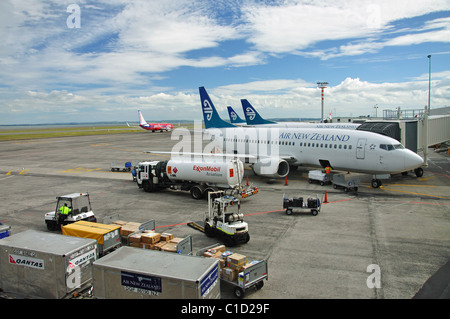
(250, 113)
(207, 109)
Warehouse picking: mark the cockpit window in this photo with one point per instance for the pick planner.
(390, 147)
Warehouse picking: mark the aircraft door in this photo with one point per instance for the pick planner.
(360, 148)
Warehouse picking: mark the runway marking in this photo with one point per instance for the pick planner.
(24, 171)
(414, 193)
(9, 173)
(80, 170)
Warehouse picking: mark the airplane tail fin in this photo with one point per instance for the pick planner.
(211, 118)
(234, 117)
(251, 116)
(141, 119)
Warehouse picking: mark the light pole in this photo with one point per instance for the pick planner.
(322, 85)
(376, 110)
(429, 81)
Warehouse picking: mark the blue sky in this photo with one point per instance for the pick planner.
(153, 55)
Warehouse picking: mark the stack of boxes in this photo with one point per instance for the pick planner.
(148, 239)
(230, 264)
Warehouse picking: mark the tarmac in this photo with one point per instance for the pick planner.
(387, 243)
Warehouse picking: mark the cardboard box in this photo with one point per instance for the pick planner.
(129, 228)
(134, 244)
(216, 249)
(119, 222)
(236, 261)
(166, 236)
(150, 238)
(136, 238)
(169, 247)
(229, 274)
(158, 245)
(175, 240)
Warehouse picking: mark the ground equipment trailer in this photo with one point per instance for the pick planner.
(129, 230)
(123, 166)
(321, 177)
(236, 271)
(346, 182)
(197, 177)
(80, 209)
(130, 272)
(224, 219)
(314, 205)
(107, 236)
(37, 264)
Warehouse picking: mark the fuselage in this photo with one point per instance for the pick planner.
(342, 149)
(157, 126)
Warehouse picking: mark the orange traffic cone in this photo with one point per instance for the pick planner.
(326, 198)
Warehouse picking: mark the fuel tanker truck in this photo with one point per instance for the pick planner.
(197, 177)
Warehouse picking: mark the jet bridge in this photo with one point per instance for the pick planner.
(411, 132)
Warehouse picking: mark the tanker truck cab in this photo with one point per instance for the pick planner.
(224, 219)
(79, 205)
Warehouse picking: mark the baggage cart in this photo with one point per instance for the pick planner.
(314, 205)
(346, 182)
(319, 176)
(252, 274)
(123, 166)
(38, 265)
(131, 273)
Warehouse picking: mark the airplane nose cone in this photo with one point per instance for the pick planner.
(412, 161)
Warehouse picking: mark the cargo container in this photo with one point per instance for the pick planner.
(107, 236)
(130, 273)
(37, 264)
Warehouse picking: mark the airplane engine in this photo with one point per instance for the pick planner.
(271, 167)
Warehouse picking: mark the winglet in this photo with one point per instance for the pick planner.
(251, 116)
(211, 118)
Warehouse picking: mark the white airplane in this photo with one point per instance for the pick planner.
(254, 119)
(271, 150)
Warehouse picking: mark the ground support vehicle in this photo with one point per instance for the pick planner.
(130, 272)
(319, 176)
(121, 166)
(346, 182)
(107, 236)
(80, 209)
(224, 219)
(236, 270)
(4, 231)
(197, 177)
(314, 205)
(38, 264)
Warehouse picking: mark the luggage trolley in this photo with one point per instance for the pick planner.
(314, 205)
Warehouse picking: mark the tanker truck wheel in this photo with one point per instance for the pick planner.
(197, 192)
